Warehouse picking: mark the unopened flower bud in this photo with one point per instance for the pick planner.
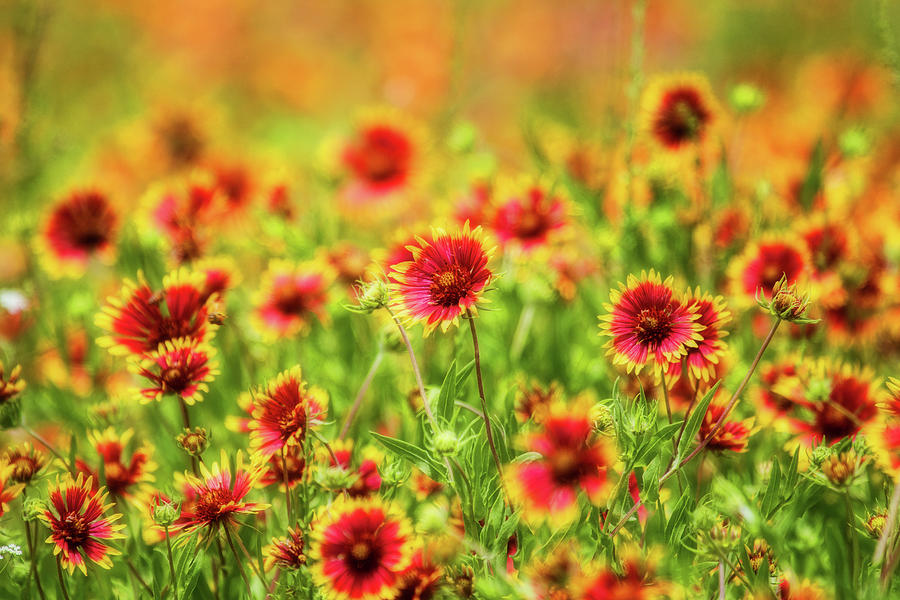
(195, 441)
(371, 296)
(33, 509)
(446, 443)
(875, 524)
(841, 468)
(335, 478)
(787, 303)
(820, 454)
(10, 414)
(165, 513)
(433, 519)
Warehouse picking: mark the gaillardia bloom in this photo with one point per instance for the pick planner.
(421, 580)
(731, 437)
(635, 582)
(79, 524)
(140, 318)
(11, 386)
(9, 489)
(446, 277)
(284, 410)
(290, 296)
(762, 265)
(701, 360)
(573, 457)
(25, 461)
(286, 552)
(678, 110)
(366, 479)
(296, 468)
(883, 437)
(80, 227)
(361, 548)
(216, 499)
(180, 367)
(837, 401)
(646, 320)
(530, 215)
(125, 478)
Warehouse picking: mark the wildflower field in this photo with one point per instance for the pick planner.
(424, 299)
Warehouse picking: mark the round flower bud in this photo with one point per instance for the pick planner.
(194, 442)
(33, 509)
(446, 443)
(820, 454)
(875, 524)
(433, 519)
(165, 513)
(335, 478)
(602, 420)
(747, 98)
(10, 413)
(372, 296)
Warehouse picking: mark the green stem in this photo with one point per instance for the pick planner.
(237, 559)
(171, 562)
(361, 394)
(33, 557)
(62, 584)
(287, 488)
(415, 366)
(487, 418)
(852, 542)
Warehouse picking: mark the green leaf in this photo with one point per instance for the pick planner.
(447, 395)
(650, 487)
(694, 421)
(414, 454)
(813, 182)
(678, 518)
(463, 374)
(773, 491)
(648, 450)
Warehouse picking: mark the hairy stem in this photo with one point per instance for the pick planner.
(357, 402)
(33, 557)
(62, 583)
(415, 366)
(171, 562)
(237, 559)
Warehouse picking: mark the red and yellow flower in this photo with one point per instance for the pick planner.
(678, 110)
(140, 318)
(10, 386)
(647, 321)
(573, 458)
(367, 480)
(635, 581)
(291, 296)
(216, 497)
(80, 525)
(421, 580)
(296, 468)
(762, 265)
(361, 549)
(701, 360)
(286, 552)
(446, 277)
(180, 367)
(530, 215)
(25, 461)
(732, 436)
(125, 477)
(9, 487)
(284, 411)
(81, 227)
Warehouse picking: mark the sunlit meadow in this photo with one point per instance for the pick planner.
(423, 299)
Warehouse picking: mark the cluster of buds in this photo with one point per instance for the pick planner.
(195, 441)
(788, 303)
(10, 388)
(371, 296)
(335, 479)
(722, 537)
(33, 508)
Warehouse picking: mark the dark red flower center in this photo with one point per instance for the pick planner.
(681, 117)
(289, 302)
(210, 504)
(653, 326)
(75, 529)
(293, 420)
(173, 379)
(566, 466)
(382, 156)
(363, 555)
(449, 286)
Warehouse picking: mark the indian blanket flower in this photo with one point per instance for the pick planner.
(573, 457)
(384, 157)
(421, 580)
(647, 320)
(125, 477)
(80, 227)
(25, 461)
(446, 277)
(216, 497)
(701, 360)
(732, 436)
(296, 468)
(635, 581)
(530, 215)
(678, 110)
(291, 296)
(284, 411)
(762, 265)
(220, 275)
(80, 524)
(533, 400)
(9, 487)
(180, 367)
(883, 437)
(361, 548)
(140, 318)
(836, 402)
(286, 552)
(553, 577)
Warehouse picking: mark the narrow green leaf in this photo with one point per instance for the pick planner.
(773, 491)
(447, 395)
(414, 454)
(696, 418)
